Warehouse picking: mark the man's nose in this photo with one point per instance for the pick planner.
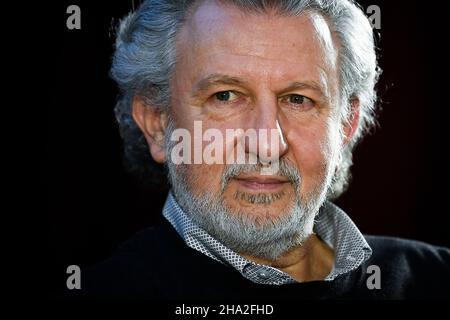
(271, 143)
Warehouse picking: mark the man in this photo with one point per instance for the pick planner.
(254, 108)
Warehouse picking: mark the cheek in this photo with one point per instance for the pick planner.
(203, 178)
(306, 146)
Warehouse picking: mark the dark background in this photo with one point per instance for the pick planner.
(93, 205)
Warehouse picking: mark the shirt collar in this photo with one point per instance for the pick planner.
(332, 225)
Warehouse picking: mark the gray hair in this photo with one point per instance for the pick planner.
(145, 57)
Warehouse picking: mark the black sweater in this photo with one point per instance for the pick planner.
(157, 264)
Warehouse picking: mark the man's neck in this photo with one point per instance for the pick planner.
(313, 260)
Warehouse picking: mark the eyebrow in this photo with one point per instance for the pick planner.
(216, 79)
(311, 85)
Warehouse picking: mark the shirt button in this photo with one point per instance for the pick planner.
(263, 275)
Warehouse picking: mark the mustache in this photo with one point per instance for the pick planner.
(286, 169)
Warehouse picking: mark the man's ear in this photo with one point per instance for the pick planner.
(153, 124)
(351, 125)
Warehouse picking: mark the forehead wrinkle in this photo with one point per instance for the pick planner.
(321, 33)
(207, 17)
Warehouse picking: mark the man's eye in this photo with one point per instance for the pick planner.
(296, 99)
(226, 96)
(299, 101)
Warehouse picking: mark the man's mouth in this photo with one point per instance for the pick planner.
(261, 183)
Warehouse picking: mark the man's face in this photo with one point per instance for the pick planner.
(237, 70)
(240, 70)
